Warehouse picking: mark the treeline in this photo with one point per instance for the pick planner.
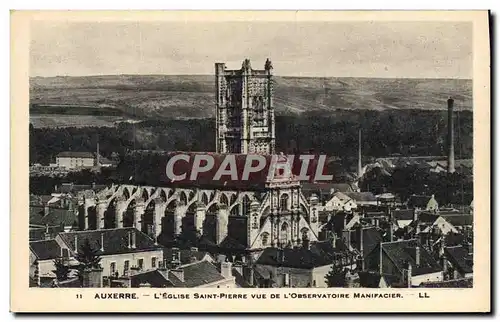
(384, 133)
(455, 188)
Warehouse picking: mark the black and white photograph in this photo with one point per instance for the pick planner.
(300, 154)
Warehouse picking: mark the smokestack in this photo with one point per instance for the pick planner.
(97, 154)
(451, 150)
(360, 164)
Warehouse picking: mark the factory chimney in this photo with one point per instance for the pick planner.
(451, 150)
(360, 164)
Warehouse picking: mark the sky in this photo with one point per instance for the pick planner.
(311, 49)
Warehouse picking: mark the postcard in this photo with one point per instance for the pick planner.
(263, 161)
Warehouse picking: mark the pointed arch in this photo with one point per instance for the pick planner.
(245, 205)
(284, 202)
(224, 200)
(128, 216)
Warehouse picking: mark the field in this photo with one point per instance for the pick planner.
(181, 97)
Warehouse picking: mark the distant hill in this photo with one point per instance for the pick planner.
(192, 96)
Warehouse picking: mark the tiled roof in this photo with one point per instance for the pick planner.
(116, 240)
(157, 278)
(460, 258)
(454, 239)
(403, 214)
(45, 249)
(186, 255)
(403, 252)
(200, 273)
(459, 220)
(319, 254)
(38, 233)
(371, 239)
(72, 154)
(427, 217)
(459, 283)
(56, 216)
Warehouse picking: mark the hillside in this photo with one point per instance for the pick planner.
(186, 96)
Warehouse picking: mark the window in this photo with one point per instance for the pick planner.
(65, 253)
(140, 263)
(284, 234)
(112, 268)
(126, 267)
(265, 239)
(284, 197)
(153, 262)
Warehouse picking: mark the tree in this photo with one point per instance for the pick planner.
(62, 270)
(88, 256)
(335, 277)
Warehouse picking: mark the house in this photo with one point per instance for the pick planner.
(339, 201)
(199, 274)
(407, 261)
(120, 250)
(363, 198)
(419, 202)
(459, 262)
(403, 217)
(53, 216)
(429, 222)
(370, 279)
(304, 266)
(458, 283)
(73, 160)
(41, 257)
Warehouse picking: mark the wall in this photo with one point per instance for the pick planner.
(46, 268)
(226, 283)
(298, 277)
(432, 277)
(120, 259)
(71, 163)
(319, 273)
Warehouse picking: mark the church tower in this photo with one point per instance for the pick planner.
(244, 109)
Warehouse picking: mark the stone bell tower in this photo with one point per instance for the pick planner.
(244, 109)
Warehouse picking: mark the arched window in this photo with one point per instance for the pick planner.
(245, 205)
(284, 202)
(264, 239)
(305, 233)
(284, 234)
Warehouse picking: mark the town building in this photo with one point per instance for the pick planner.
(120, 250)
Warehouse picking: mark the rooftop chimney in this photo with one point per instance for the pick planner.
(76, 243)
(417, 255)
(450, 138)
(133, 238)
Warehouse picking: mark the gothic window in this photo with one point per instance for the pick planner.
(284, 202)
(264, 239)
(245, 205)
(284, 233)
(305, 233)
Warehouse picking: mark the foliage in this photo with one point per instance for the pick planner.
(62, 270)
(406, 132)
(335, 277)
(88, 256)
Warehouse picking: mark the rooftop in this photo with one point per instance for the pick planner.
(73, 154)
(116, 240)
(45, 249)
(403, 252)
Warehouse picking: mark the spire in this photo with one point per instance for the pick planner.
(360, 164)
